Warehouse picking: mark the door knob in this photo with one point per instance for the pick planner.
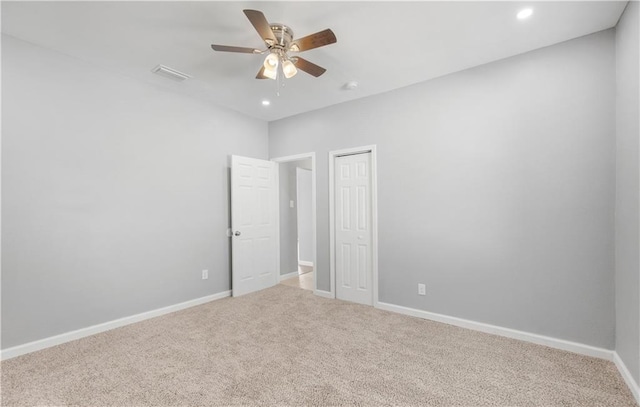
(237, 233)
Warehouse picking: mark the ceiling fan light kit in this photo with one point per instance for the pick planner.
(271, 61)
(271, 66)
(280, 41)
(289, 69)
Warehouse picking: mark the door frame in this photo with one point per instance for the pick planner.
(314, 213)
(374, 216)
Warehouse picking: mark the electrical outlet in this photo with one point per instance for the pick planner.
(205, 274)
(422, 289)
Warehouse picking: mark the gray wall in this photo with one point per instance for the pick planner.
(115, 194)
(288, 228)
(495, 188)
(288, 215)
(627, 276)
(304, 215)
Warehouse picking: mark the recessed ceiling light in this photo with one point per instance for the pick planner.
(265, 103)
(524, 14)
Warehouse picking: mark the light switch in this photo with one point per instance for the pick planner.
(291, 203)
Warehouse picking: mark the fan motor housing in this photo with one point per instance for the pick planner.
(283, 33)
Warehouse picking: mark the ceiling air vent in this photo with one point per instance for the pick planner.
(170, 73)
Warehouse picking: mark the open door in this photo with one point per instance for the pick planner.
(254, 202)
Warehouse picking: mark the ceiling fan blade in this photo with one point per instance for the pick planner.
(312, 41)
(308, 67)
(260, 23)
(260, 74)
(227, 48)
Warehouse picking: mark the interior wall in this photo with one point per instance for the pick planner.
(495, 189)
(288, 233)
(627, 277)
(288, 214)
(115, 194)
(304, 192)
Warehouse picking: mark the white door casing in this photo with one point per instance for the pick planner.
(353, 228)
(254, 200)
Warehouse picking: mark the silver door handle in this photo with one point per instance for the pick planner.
(237, 233)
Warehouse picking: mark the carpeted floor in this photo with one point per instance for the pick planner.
(304, 281)
(284, 346)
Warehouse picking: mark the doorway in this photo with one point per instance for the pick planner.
(297, 221)
(353, 225)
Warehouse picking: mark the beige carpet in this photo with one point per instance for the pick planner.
(304, 281)
(284, 346)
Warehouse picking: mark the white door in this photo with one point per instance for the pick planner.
(354, 276)
(254, 199)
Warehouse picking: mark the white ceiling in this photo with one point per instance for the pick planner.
(381, 45)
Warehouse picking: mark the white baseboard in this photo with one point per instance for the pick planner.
(305, 263)
(106, 326)
(626, 375)
(288, 275)
(507, 332)
(325, 294)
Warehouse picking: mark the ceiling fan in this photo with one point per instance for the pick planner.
(279, 41)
